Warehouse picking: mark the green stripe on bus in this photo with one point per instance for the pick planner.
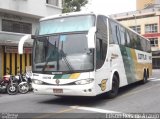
(128, 64)
(67, 76)
(132, 68)
(58, 76)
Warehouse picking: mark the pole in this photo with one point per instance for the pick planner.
(135, 23)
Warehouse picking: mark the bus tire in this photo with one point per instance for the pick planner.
(115, 87)
(147, 73)
(145, 77)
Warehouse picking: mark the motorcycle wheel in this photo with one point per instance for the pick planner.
(23, 87)
(12, 89)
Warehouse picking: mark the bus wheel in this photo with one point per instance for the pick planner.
(115, 86)
(147, 73)
(145, 78)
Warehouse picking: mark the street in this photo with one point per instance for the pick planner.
(135, 98)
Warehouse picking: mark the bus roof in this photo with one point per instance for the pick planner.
(66, 14)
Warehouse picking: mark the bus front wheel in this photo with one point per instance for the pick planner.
(115, 87)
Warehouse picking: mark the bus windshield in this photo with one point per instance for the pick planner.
(62, 53)
(66, 24)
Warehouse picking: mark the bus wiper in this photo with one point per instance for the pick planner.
(46, 63)
(47, 59)
(65, 59)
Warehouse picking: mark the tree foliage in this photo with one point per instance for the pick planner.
(73, 5)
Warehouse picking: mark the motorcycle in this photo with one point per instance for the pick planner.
(24, 83)
(28, 79)
(9, 84)
(3, 85)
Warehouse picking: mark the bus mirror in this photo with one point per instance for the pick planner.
(21, 43)
(91, 37)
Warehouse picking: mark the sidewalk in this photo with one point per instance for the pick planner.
(156, 73)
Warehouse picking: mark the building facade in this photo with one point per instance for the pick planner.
(143, 4)
(17, 18)
(147, 23)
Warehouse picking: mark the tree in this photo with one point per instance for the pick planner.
(73, 5)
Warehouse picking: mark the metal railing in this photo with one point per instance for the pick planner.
(136, 13)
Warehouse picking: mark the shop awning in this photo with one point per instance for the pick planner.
(12, 39)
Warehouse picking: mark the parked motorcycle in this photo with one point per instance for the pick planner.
(28, 79)
(9, 84)
(3, 85)
(24, 83)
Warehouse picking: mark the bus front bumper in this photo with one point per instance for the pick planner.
(74, 90)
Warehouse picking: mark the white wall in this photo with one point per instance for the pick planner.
(34, 7)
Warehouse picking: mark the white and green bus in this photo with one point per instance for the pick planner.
(86, 54)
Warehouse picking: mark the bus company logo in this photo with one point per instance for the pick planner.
(57, 81)
(103, 84)
(46, 77)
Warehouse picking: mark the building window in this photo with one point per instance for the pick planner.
(154, 42)
(156, 63)
(15, 26)
(53, 2)
(151, 28)
(136, 28)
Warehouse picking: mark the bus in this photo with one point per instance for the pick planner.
(86, 54)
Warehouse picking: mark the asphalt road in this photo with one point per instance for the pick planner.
(135, 98)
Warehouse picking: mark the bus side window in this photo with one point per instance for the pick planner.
(113, 35)
(118, 35)
(101, 50)
(145, 45)
(127, 39)
(139, 43)
(122, 35)
(133, 41)
(102, 27)
(148, 48)
(101, 41)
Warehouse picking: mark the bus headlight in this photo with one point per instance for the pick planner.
(37, 82)
(84, 81)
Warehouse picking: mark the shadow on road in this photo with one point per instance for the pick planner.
(90, 101)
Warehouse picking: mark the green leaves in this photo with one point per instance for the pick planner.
(73, 5)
